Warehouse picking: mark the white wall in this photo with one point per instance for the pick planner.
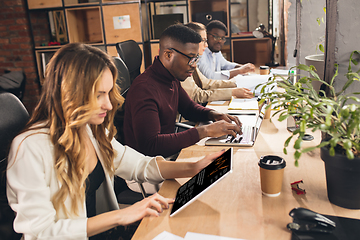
(310, 31)
(347, 38)
(347, 34)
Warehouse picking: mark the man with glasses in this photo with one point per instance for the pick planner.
(156, 96)
(212, 63)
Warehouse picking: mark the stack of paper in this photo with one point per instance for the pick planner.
(251, 81)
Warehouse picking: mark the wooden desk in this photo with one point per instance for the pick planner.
(235, 207)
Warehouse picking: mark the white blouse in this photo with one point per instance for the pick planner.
(32, 182)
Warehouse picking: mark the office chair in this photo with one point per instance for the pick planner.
(123, 193)
(123, 79)
(130, 52)
(13, 117)
(13, 82)
(183, 126)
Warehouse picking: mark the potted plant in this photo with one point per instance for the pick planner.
(336, 114)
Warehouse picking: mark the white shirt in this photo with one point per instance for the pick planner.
(215, 66)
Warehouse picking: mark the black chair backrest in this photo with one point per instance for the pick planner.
(123, 78)
(123, 81)
(13, 118)
(13, 82)
(130, 52)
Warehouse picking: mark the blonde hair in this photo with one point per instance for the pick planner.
(66, 104)
(196, 26)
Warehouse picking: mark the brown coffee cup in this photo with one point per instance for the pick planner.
(271, 174)
(264, 70)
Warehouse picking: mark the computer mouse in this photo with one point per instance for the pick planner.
(306, 220)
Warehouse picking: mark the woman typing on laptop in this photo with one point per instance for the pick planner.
(61, 167)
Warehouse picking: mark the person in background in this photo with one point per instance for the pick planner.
(212, 64)
(61, 167)
(203, 90)
(156, 96)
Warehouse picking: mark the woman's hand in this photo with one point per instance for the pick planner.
(202, 163)
(150, 206)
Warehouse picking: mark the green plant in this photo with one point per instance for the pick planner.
(322, 39)
(320, 20)
(334, 113)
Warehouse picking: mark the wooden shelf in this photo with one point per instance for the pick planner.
(80, 2)
(253, 50)
(204, 11)
(84, 25)
(38, 4)
(94, 22)
(122, 22)
(42, 59)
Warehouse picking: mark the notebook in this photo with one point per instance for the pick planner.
(243, 104)
(250, 128)
(203, 181)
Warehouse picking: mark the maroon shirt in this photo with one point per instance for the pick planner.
(151, 106)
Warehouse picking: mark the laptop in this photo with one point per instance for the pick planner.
(203, 181)
(250, 128)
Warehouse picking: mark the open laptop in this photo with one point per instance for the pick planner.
(203, 181)
(250, 128)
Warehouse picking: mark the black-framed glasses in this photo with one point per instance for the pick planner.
(217, 38)
(192, 60)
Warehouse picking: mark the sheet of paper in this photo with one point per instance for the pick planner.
(251, 81)
(167, 236)
(243, 104)
(283, 72)
(122, 22)
(199, 236)
(249, 120)
(218, 102)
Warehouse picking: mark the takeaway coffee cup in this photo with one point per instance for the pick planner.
(264, 70)
(271, 174)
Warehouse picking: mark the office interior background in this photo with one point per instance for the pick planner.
(294, 24)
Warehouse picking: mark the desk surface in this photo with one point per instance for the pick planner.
(235, 207)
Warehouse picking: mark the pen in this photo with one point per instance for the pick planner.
(242, 113)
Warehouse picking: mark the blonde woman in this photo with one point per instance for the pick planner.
(61, 167)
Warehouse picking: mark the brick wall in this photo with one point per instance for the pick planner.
(16, 49)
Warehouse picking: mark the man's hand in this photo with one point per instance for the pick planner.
(248, 67)
(242, 93)
(242, 69)
(224, 124)
(217, 116)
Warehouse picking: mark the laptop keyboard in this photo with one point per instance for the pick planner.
(245, 137)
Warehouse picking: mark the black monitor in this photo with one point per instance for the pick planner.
(161, 22)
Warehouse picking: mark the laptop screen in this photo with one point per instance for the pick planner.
(202, 181)
(259, 121)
